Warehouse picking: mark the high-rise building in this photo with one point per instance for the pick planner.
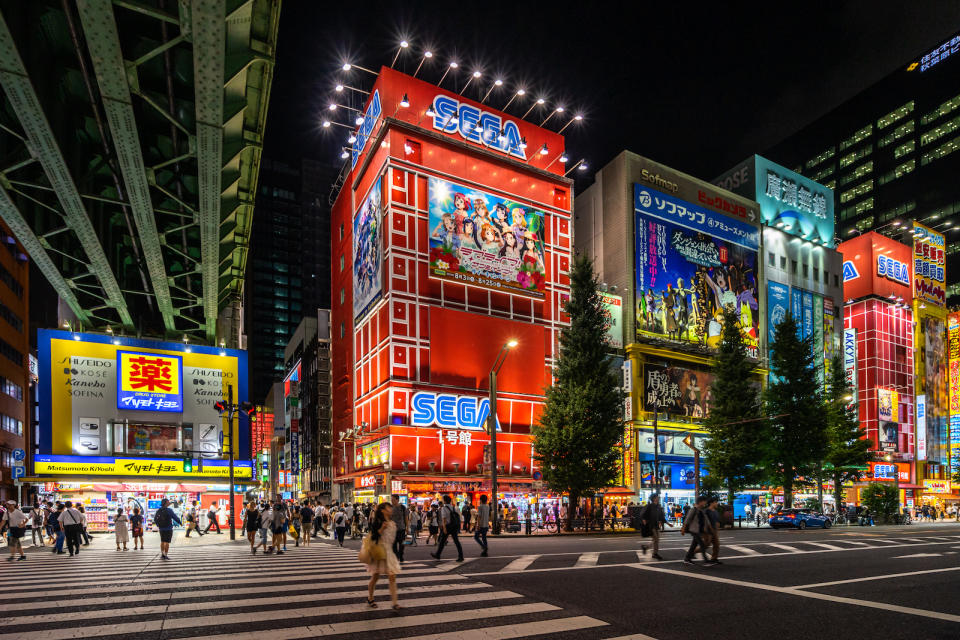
(14, 353)
(288, 271)
(889, 154)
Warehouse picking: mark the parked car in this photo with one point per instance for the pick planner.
(799, 518)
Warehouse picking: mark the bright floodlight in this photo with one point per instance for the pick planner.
(404, 44)
(540, 100)
(476, 74)
(512, 343)
(352, 138)
(559, 109)
(478, 127)
(578, 117)
(583, 166)
(325, 123)
(428, 54)
(523, 143)
(359, 120)
(346, 66)
(345, 154)
(454, 65)
(543, 150)
(498, 82)
(405, 102)
(521, 92)
(564, 158)
(430, 113)
(332, 107)
(338, 88)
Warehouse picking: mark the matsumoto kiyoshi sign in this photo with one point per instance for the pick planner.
(450, 411)
(480, 127)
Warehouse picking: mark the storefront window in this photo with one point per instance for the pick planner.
(151, 439)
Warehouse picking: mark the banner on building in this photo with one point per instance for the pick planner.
(778, 306)
(953, 352)
(691, 263)
(936, 387)
(484, 240)
(850, 362)
(929, 265)
(613, 306)
(368, 252)
(677, 390)
(888, 401)
(921, 426)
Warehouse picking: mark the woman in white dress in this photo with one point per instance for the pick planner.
(120, 528)
(382, 533)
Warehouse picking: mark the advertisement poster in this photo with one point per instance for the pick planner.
(827, 338)
(936, 389)
(629, 453)
(677, 390)
(850, 362)
(807, 315)
(953, 359)
(818, 335)
(929, 265)
(921, 427)
(778, 306)
(796, 308)
(613, 305)
(647, 479)
(368, 253)
(888, 402)
(691, 263)
(484, 240)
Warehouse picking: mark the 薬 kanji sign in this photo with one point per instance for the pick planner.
(149, 381)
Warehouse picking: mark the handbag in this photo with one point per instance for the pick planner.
(370, 551)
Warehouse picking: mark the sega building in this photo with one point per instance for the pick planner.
(126, 422)
(878, 352)
(451, 238)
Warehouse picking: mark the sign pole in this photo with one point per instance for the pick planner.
(230, 413)
(492, 422)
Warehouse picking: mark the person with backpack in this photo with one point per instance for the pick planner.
(449, 528)
(652, 520)
(193, 520)
(212, 521)
(340, 525)
(72, 523)
(401, 518)
(266, 526)
(482, 525)
(136, 528)
(306, 519)
(39, 524)
(322, 521)
(697, 525)
(279, 528)
(164, 519)
(57, 529)
(15, 523)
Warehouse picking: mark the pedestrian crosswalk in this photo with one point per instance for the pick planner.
(674, 550)
(222, 591)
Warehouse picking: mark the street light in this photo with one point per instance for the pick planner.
(492, 426)
(228, 407)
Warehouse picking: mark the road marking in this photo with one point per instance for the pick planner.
(521, 630)
(785, 547)
(824, 545)
(747, 551)
(884, 606)
(519, 564)
(856, 542)
(449, 566)
(816, 585)
(919, 555)
(587, 560)
(634, 636)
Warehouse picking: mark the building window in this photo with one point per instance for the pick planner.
(904, 149)
(12, 318)
(6, 459)
(816, 274)
(11, 352)
(11, 388)
(341, 231)
(946, 128)
(904, 129)
(793, 267)
(342, 295)
(11, 282)
(857, 191)
(860, 135)
(806, 270)
(343, 330)
(853, 156)
(941, 111)
(858, 173)
(826, 155)
(783, 263)
(899, 172)
(894, 115)
(11, 425)
(943, 150)
(771, 259)
(341, 262)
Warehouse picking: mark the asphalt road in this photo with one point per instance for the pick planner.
(856, 582)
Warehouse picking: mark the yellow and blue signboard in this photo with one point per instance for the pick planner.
(135, 466)
(149, 381)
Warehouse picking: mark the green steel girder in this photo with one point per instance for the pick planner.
(103, 41)
(40, 138)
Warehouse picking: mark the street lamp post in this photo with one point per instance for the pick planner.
(492, 426)
(231, 410)
(656, 445)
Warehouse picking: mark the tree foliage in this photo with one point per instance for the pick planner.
(848, 449)
(882, 499)
(575, 440)
(736, 443)
(794, 405)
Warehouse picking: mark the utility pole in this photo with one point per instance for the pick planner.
(492, 426)
(231, 409)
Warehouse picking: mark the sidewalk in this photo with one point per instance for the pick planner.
(106, 541)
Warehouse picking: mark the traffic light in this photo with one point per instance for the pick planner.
(187, 465)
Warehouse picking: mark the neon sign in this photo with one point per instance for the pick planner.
(892, 269)
(480, 127)
(450, 411)
(850, 271)
(366, 128)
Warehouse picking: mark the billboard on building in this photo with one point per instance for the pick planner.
(691, 263)
(850, 362)
(788, 200)
(87, 428)
(778, 306)
(368, 252)
(929, 265)
(679, 391)
(876, 265)
(484, 240)
(921, 427)
(953, 363)
(936, 390)
(613, 306)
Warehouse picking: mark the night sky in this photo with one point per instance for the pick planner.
(697, 87)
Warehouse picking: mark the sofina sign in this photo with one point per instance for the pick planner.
(788, 201)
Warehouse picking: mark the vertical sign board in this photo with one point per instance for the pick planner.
(850, 362)
(827, 338)
(921, 427)
(368, 252)
(953, 350)
(929, 265)
(613, 306)
(818, 336)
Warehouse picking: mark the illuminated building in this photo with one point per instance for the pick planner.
(14, 352)
(423, 301)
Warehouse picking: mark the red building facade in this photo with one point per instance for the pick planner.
(451, 237)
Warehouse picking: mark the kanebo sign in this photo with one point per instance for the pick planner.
(450, 411)
(480, 127)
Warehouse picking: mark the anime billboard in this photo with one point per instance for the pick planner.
(677, 390)
(935, 383)
(484, 240)
(367, 253)
(691, 263)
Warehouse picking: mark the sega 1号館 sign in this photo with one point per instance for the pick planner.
(117, 406)
(450, 411)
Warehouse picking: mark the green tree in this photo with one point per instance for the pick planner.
(575, 440)
(794, 405)
(735, 447)
(848, 449)
(882, 498)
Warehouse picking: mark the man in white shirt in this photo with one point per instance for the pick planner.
(14, 522)
(72, 522)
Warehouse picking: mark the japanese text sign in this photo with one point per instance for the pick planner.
(929, 265)
(149, 381)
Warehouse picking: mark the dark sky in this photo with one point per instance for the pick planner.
(696, 86)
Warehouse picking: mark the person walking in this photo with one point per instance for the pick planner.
(14, 521)
(71, 520)
(322, 522)
(39, 524)
(696, 524)
(449, 528)
(414, 526)
(482, 525)
(279, 524)
(266, 526)
(193, 520)
(57, 529)
(714, 536)
(212, 518)
(163, 519)
(120, 528)
(136, 528)
(306, 519)
(83, 525)
(465, 512)
(377, 553)
(652, 520)
(340, 525)
(401, 518)
(433, 524)
(251, 524)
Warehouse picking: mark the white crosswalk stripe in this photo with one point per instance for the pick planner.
(747, 551)
(223, 591)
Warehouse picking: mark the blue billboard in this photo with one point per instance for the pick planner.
(691, 263)
(368, 253)
(807, 315)
(778, 306)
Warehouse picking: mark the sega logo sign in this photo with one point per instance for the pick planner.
(850, 271)
(366, 127)
(893, 270)
(480, 127)
(450, 411)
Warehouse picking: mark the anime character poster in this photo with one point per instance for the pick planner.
(367, 253)
(935, 388)
(484, 240)
(685, 277)
(677, 391)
